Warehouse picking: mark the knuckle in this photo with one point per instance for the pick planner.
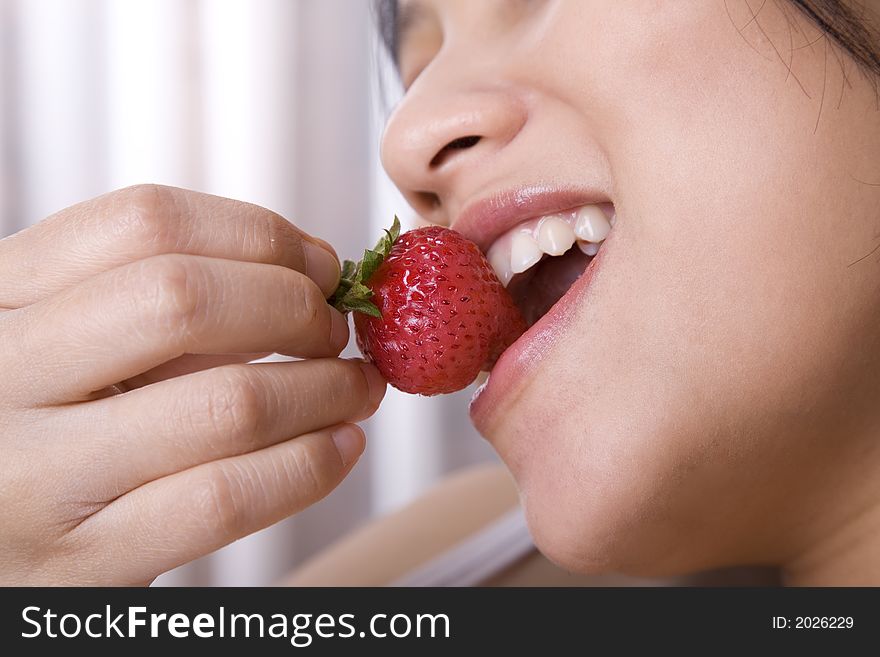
(310, 303)
(166, 290)
(305, 475)
(349, 389)
(220, 499)
(54, 509)
(276, 238)
(235, 410)
(359, 385)
(145, 221)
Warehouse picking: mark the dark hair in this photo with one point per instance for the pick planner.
(847, 25)
(386, 20)
(853, 31)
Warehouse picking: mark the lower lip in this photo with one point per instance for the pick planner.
(512, 371)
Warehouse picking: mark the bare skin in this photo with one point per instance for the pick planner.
(134, 435)
(712, 401)
(456, 508)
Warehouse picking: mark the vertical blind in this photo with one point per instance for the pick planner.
(268, 101)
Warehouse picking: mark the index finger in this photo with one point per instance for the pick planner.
(146, 220)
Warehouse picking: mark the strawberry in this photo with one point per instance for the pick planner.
(429, 310)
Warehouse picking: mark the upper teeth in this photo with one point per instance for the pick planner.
(525, 244)
(555, 235)
(524, 252)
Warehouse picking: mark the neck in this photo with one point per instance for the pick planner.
(847, 554)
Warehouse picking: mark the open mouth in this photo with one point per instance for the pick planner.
(539, 259)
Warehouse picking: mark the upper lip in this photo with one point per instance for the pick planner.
(484, 220)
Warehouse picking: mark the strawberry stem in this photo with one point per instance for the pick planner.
(353, 293)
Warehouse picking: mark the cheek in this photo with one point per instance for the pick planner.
(725, 338)
(703, 376)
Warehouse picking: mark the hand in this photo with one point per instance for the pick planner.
(134, 435)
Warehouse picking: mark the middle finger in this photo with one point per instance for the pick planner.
(173, 425)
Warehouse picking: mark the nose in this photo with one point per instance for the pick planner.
(445, 135)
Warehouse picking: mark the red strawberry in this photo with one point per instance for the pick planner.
(440, 314)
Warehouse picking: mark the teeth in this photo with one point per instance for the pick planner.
(524, 252)
(499, 258)
(555, 236)
(524, 245)
(590, 248)
(591, 226)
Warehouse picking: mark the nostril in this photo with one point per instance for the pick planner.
(456, 144)
(463, 142)
(426, 201)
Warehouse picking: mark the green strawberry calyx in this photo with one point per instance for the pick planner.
(352, 293)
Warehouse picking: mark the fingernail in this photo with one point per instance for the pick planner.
(350, 442)
(338, 329)
(322, 267)
(377, 385)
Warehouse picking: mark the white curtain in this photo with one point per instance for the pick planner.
(269, 101)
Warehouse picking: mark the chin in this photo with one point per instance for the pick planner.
(603, 540)
(610, 500)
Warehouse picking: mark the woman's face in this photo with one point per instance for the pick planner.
(710, 395)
